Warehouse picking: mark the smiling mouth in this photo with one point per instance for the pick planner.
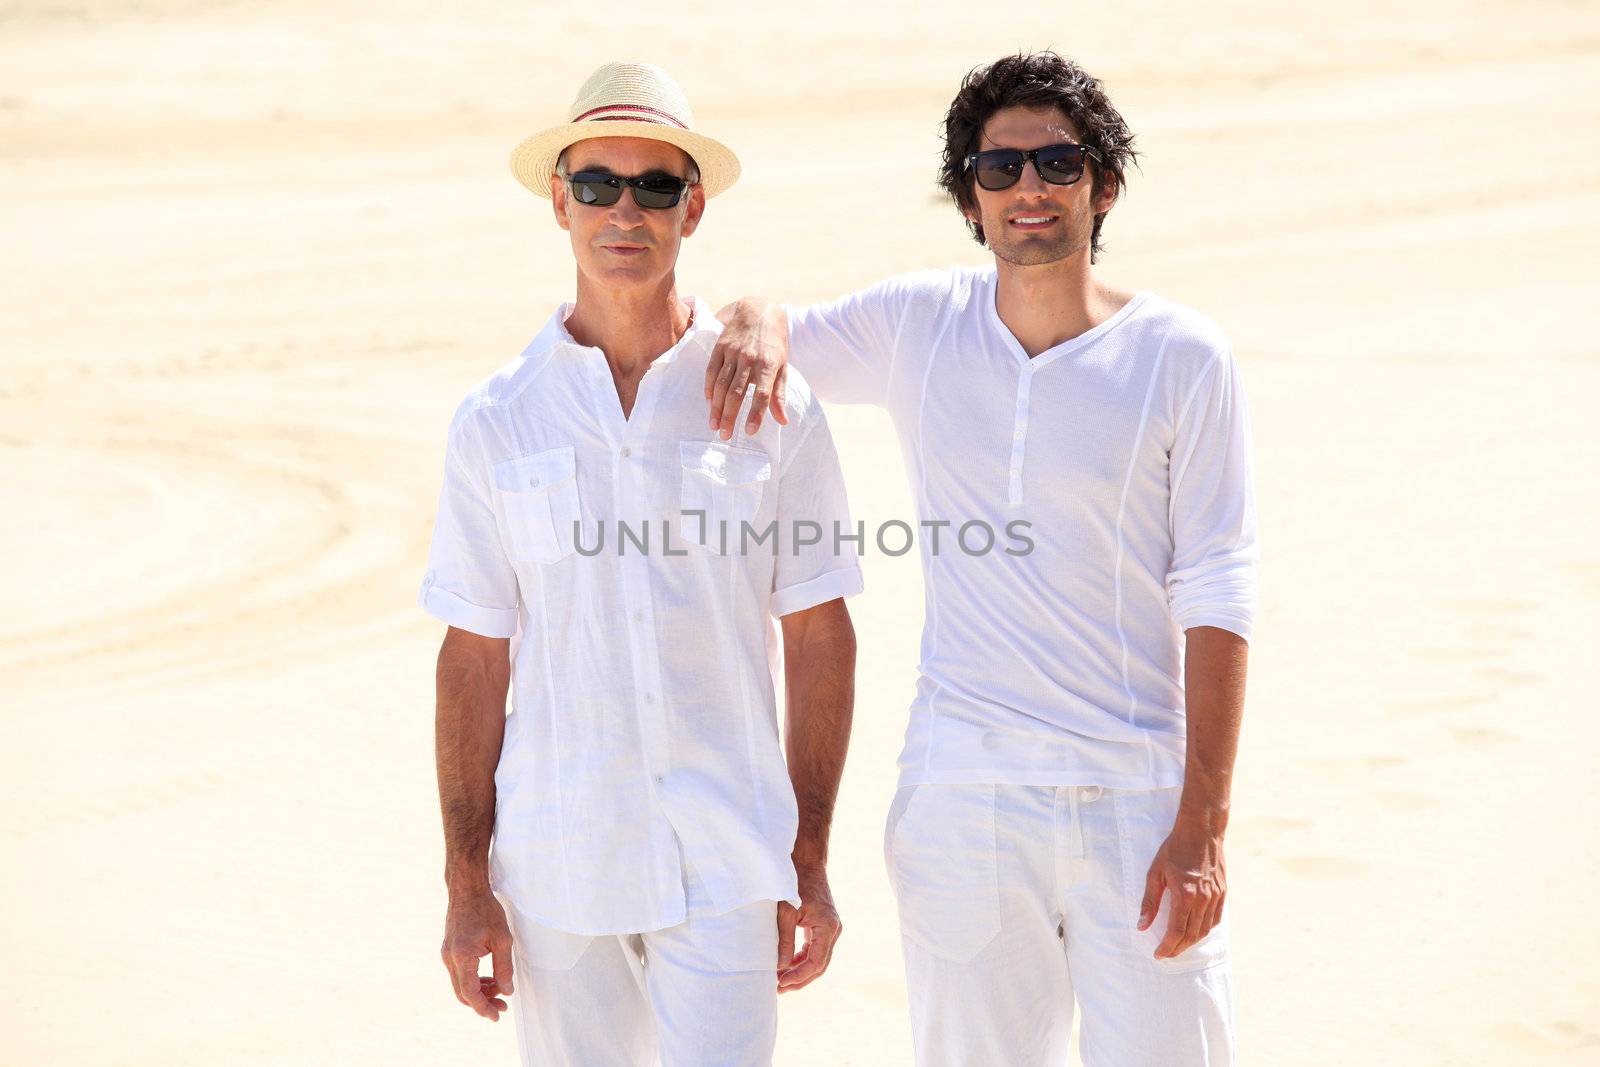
(1032, 222)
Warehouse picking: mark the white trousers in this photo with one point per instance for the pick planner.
(703, 993)
(1017, 900)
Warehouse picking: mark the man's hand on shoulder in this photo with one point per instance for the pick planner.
(475, 926)
(753, 348)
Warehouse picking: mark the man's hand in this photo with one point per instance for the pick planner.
(754, 347)
(474, 927)
(819, 919)
(1189, 866)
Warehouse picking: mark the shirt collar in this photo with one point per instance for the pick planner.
(556, 338)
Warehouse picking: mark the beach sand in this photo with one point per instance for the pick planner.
(255, 254)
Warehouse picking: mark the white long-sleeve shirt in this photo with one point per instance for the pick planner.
(1126, 448)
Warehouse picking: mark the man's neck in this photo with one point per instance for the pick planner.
(631, 327)
(1046, 305)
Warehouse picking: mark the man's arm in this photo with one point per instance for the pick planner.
(845, 347)
(1211, 591)
(1190, 864)
(472, 677)
(819, 648)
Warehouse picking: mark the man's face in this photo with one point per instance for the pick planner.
(625, 245)
(1067, 210)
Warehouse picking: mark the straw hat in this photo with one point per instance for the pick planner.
(626, 100)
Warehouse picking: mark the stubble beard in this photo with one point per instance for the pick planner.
(1032, 252)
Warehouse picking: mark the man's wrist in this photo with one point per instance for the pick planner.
(810, 857)
(466, 881)
(752, 309)
(1207, 817)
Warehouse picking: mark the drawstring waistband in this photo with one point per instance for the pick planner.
(1091, 793)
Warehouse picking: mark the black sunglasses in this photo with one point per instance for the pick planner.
(600, 188)
(1058, 164)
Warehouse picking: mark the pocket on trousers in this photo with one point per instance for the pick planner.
(902, 796)
(1144, 819)
(742, 940)
(940, 848)
(723, 484)
(543, 948)
(539, 497)
(1209, 951)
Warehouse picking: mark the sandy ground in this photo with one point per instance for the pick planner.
(253, 255)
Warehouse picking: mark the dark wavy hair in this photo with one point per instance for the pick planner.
(1033, 80)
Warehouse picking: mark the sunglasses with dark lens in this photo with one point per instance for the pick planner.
(1058, 164)
(599, 188)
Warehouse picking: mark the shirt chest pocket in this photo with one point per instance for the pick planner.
(538, 495)
(725, 483)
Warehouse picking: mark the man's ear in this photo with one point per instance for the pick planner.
(558, 201)
(1105, 196)
(696, 208)
(969, 210)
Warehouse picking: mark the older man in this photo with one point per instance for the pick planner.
(1065, 782)
(652, 852)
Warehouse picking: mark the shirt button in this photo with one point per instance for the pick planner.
(638, 616)
(649, 698)
(626, 452)
(660, 778)
(534, 482)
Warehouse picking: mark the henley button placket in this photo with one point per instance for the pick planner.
(1019, 436)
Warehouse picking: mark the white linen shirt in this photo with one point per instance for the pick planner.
(1126, 448)
(643, 716)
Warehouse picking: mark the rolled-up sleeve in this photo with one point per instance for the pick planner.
(1212, 506)
(812, 503)
(469, 582)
